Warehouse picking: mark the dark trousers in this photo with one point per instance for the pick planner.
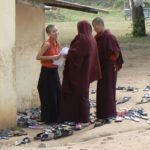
(49, 89)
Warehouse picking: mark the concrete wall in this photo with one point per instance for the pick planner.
(7, 69)
(30, 23)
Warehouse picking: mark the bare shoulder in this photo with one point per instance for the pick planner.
(46, 44)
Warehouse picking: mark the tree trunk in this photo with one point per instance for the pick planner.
(138, 20)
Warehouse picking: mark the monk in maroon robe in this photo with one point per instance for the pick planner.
(82, 67)
(111, 62)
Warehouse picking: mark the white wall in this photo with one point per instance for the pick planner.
(7, 66)
(30, 23)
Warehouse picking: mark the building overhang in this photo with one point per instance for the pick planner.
(64, 4)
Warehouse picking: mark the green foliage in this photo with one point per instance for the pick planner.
(118, 4)
(62, 15)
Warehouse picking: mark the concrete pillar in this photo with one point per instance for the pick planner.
(7, 64)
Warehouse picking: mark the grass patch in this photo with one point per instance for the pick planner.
(113, 21)
(135, 40)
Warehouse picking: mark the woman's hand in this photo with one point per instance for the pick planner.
(56, 57)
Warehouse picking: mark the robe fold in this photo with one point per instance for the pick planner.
(106, 87)
(82, 67)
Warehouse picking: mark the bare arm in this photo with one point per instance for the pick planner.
(44, 48)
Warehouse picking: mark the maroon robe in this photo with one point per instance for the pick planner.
(106, 87)
(82, 67)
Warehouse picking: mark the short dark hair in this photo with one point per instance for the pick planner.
(49, 28)
(98, 20)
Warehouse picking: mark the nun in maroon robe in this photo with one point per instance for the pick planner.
(110, 64)
(82, 67)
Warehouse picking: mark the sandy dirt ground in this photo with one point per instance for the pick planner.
(127, 135)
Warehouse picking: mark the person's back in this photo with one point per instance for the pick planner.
(82, 67)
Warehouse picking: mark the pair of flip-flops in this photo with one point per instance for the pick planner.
(147, 88)
(19, 133)
(132, 89)
(147, 95)
(53, 133)
(28, 118)
(46, 135)
(25, 140)
(59, 133)
(121, 88)
(22, 122)
(119, 118)
(26, 122)
(102, 122)
(124, 100)
(5, 134)
(62, 130)
(145, 99)
(127, 89)
(136, 114)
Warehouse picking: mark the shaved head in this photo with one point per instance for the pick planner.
(49, 28)
(52, 31)
(98, 21)
(98, 24)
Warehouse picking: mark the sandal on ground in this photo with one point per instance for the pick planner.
(147, 88)
(120, 88)
(57, 134)
(26, 140)
(98, 124)
(142, 112)
(118, 119)
(135, 119)
(38, 136)
(62, 133)
(101, 122)
(47, 137)
(132, 89)
(132, 117)
(140, 116)
(23, 141)
(143, 101)
(19, 133)
(67, 132)
(78, 127)
(147, 95)
(124, 100)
